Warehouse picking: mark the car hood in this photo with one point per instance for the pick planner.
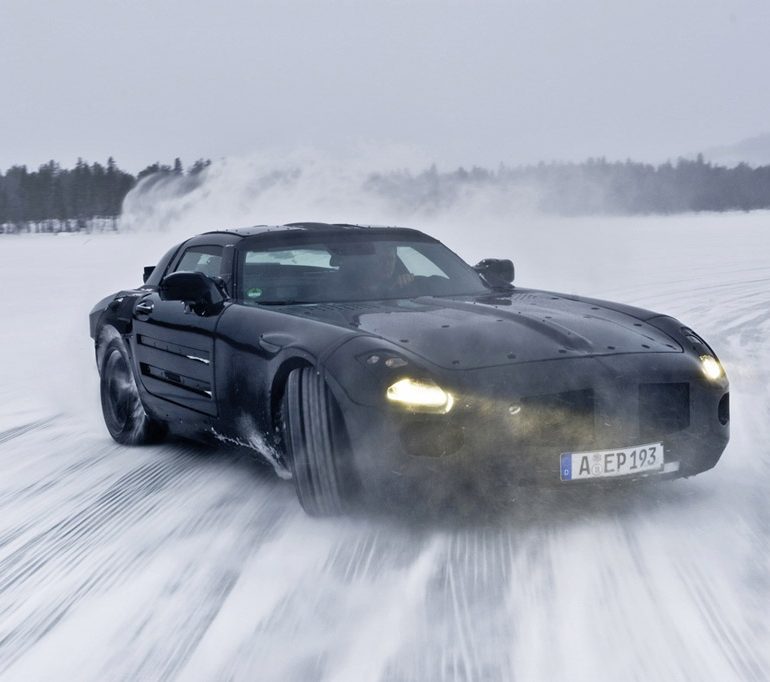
(475, 332)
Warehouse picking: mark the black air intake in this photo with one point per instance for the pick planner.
(723, 411)
(663, 409)
(560, 419)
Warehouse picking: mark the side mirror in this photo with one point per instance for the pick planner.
(194, 289)
(496, 272)
(148, 270)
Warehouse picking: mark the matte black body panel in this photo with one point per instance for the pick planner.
(523, 326)
(173, 350)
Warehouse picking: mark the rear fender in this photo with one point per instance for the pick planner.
(116, 310)
(112, 317)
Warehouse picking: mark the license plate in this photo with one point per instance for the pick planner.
(636, 459)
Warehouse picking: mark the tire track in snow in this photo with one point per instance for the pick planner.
(15, 432)
(745, 661)
(90, 536)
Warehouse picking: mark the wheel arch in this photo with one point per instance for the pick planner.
(106, 332)
(114, 317)
(278, 386)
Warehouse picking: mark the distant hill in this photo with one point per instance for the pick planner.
(754, 151)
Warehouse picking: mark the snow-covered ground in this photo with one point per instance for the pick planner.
(178, 562)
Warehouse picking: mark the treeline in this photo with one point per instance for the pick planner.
(90, 196)
(84, 198)
(596, 186)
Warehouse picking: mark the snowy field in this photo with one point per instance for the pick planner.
(178, 562)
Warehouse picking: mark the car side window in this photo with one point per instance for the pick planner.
(205, 259)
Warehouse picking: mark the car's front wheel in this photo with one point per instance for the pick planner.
(316, 445)
(124, 415)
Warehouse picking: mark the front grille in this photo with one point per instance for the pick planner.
(663, 409)
(560, 419)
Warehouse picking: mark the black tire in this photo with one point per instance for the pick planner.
(124, 415)
(316, 445)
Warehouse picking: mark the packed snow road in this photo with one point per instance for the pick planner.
(180, 562)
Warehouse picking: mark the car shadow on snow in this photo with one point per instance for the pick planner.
(533, 507)
(427, 505)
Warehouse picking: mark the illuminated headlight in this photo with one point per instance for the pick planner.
(711, 367)
(423, 396)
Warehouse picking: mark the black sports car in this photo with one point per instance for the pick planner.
(355, 359)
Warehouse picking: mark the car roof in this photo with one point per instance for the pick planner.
(309, 227)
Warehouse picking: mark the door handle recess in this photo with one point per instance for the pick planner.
(144, 307)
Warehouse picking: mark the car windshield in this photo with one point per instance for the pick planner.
(351, 268)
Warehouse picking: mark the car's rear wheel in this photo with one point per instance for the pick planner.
(316, 445)
(124, 415)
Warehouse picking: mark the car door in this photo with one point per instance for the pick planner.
(173, 345)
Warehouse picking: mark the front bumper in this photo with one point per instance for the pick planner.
(510, 425)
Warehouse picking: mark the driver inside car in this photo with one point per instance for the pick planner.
(380, 272)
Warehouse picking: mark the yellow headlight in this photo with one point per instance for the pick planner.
(711, 367)
(420, 395)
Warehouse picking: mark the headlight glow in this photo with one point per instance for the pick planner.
(420, 395)
(711, 367)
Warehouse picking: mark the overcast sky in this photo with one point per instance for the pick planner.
(461, 82)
